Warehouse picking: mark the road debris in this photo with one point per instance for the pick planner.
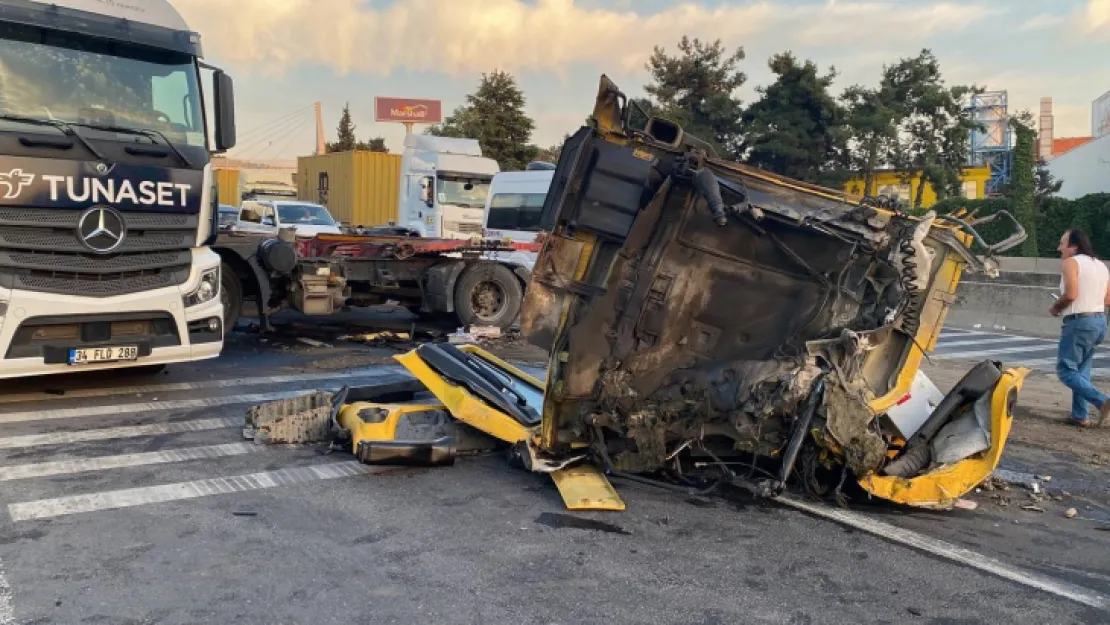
(296, 420)
(966, 504)
(311, 342)
(1032, 508)
(1071, 513)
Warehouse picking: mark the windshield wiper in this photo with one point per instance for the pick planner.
(64, 127)
(149, 133)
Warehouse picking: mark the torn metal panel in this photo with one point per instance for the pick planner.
(690, 304)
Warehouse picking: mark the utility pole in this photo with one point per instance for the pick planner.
(321, 147)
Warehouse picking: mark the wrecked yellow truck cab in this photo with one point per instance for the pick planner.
(708, 322)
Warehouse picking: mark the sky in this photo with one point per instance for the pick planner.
(286, 54)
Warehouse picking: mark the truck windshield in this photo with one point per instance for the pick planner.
(306, 214)
(52, 75)
(465, 192)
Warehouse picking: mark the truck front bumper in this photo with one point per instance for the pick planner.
(37, 330)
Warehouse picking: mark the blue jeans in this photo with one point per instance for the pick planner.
(1078, 340)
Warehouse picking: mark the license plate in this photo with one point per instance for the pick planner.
(103, 354)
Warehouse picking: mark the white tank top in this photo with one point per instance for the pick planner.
(1093, 276)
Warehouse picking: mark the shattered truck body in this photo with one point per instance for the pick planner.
(710, 321)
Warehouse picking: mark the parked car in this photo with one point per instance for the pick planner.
(306, 219)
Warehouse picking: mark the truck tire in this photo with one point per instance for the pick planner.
(488, 294)
(231, 295)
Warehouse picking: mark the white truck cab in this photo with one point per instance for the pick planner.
(108, 205)
(444, 185)
(514, 207)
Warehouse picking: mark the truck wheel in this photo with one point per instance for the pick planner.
(488, 294)
(231, 295)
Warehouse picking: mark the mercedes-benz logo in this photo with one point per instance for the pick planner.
(101, 229)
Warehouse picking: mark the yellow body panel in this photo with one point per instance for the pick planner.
(942, 487)
(384, 430)
(584, 487)
(462, 404)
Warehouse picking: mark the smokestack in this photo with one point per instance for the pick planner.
(1045, 130)
(320, 146)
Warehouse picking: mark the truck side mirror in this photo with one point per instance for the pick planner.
(224, 97)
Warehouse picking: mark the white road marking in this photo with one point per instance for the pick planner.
(1005, 350)
(194, 386)
(942, 344)
(130, 497)
(103, 463)
(171, 404)
(129, 431)
(951, 552)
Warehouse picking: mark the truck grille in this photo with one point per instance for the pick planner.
(40, 251)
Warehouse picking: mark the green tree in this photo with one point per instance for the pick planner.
(345, 132)
(495, 116)
(695, 89)
(872, 120)
(552, 154)
(796, 128)
(1047, 184)
(377, 144)
(934, 127)
(1023, 188)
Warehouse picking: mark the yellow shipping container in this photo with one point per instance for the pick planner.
(360, 188)
(895, 183)
(227, 181)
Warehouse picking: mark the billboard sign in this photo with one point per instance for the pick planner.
(408, 110)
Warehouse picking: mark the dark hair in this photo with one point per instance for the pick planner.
(1079, 240)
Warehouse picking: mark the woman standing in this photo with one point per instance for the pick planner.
(1084, 296)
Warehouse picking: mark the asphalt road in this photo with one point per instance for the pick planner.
(132, 499)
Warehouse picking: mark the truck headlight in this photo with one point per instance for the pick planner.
(207, 290)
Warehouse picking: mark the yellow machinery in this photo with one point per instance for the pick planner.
(708, 323)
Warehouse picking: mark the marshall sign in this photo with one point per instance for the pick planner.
(408, 110)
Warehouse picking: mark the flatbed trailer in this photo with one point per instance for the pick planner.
(443, 279)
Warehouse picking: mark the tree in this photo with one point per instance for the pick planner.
(872, 121)
(494, 115)
(1046, 184)
(377, 144)
(552, 154)
(796, 127)
(695, 87)
(1022, 186)
(934, 129)
(345, 133)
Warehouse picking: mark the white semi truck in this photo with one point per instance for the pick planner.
(444, 185)
(107, 199)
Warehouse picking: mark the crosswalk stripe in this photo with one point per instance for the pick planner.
(129, 431)
(942, 344)
(192, 386)
(1005, 350)
(102, 463)
(130, 497)
(172, 404)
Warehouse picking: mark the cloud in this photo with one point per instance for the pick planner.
(466, 37)
(1094, 19)
(1043, 21)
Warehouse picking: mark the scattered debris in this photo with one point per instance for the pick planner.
(1032, 508)
(297, 420)
(966, 504)
(1071, 513)
(244, 513)
(1044, 478)
(459, 337)
(485, 332)
(311, 342)
(1036, 488)
(379, 339)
